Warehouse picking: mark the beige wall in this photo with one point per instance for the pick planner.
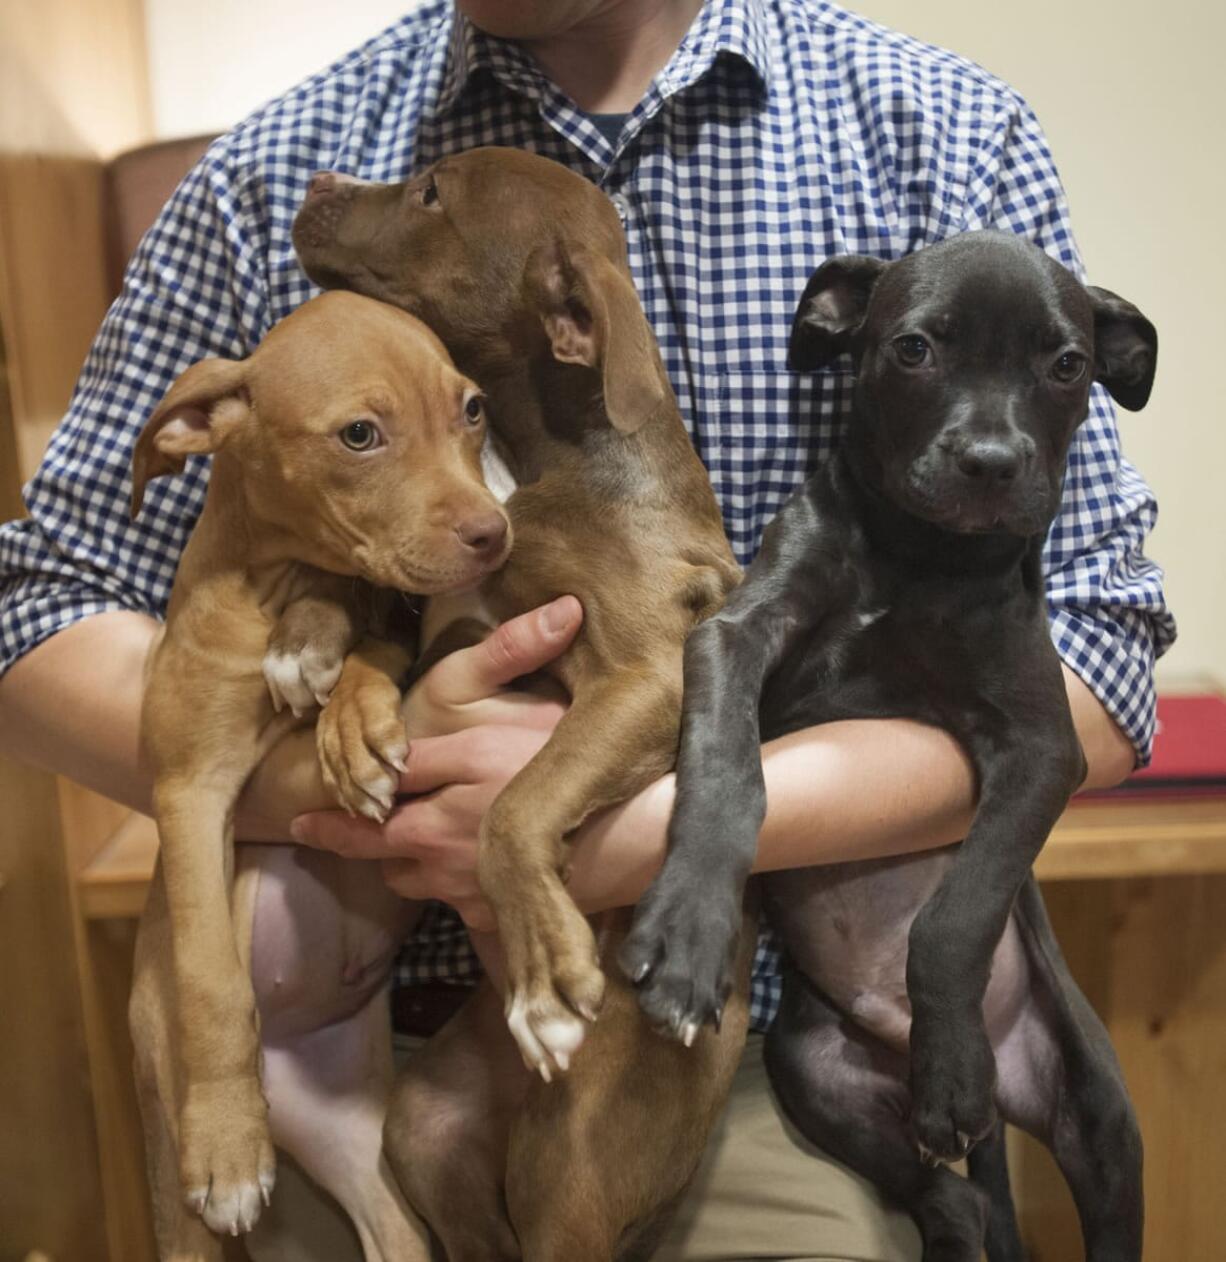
(1131, 97)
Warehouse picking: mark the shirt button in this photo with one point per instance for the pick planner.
(621, 204)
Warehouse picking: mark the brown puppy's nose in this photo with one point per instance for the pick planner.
(484, 533)
(321, 182)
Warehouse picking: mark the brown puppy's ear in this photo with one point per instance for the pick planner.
(1125, 349)
(831, 309)
(592, 315)
(197, 415)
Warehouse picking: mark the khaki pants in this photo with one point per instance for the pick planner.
(761, 1192)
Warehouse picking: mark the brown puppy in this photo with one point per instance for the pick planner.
(346, 446)
(520, 266)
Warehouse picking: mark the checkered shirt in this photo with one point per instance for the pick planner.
(780, 133)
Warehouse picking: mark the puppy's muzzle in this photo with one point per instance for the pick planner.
(484, 534)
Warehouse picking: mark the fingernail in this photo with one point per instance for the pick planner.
(298, 829)
(558, 616)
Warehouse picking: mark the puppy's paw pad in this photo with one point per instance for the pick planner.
(952, 1099)
(226, 1156)
(681, 958)
(548, 1033)
(286, 686)
(234, 1209)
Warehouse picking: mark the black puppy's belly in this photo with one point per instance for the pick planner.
(846, 928)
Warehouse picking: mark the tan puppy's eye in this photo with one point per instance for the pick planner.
(361, 436)
(429, 193)
(473, 410)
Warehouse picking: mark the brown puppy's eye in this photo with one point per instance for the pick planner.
(360, 436)
(472, 410)
(429, 194)
(911, 350)
(1069, 367)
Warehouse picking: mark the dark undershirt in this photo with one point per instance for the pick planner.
(609, 125)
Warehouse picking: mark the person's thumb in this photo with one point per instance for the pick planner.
(516, 648)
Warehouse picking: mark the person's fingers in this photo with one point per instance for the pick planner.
(467, 757)
(516, 648)
(347, 835)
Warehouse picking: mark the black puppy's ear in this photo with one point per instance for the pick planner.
(1125, 349)
(831, 309)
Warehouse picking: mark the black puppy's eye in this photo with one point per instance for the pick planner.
(912, 350)
(429, 194)
(360, 436)
(472, 409)
(1069, 367)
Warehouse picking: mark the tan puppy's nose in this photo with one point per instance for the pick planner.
(484, 533)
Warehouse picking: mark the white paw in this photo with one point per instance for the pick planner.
(234, 1208)
(300, 681)
(548, 1034)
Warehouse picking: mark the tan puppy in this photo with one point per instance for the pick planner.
(347, 446)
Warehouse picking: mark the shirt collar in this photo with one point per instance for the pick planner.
(735, 27)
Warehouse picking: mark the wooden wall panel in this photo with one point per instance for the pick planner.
(1150, 955)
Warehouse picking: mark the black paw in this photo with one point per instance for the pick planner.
(953, 1080)
(680, 954)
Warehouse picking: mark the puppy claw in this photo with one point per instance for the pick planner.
(640, 973)
(689, 1031)
(964, 1141)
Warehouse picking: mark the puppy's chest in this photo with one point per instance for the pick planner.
(906, 647)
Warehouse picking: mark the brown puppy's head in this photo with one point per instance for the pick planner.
(506, 255)
(356, 444)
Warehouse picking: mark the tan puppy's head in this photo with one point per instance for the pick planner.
(506, 255)
(355, 444)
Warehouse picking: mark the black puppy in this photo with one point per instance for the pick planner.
(904, 580)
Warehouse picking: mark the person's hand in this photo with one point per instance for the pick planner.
(468, 735)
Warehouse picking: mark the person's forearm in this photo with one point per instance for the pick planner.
(858, 789)
(72, 706)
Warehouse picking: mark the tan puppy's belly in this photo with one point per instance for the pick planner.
(325, 931)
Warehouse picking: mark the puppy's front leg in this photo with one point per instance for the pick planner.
(226, 1160)
(617, 736)
(313, 635)
(681, 950)
(952, 940)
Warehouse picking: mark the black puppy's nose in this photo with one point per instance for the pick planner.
(989, 460)
(484, 534)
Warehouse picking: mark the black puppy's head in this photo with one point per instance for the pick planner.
(974, 360)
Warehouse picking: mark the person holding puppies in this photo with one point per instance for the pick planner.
(741, 143)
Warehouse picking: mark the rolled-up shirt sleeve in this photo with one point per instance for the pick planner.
(1109, 618)
(193, 290)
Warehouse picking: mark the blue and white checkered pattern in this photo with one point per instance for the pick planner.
(780, 133)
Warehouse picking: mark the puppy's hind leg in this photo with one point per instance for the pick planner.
(1086, 1118)
(447, 1127)
(847, 1093)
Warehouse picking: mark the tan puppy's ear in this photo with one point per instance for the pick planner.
(593, 316)
(198, 414)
